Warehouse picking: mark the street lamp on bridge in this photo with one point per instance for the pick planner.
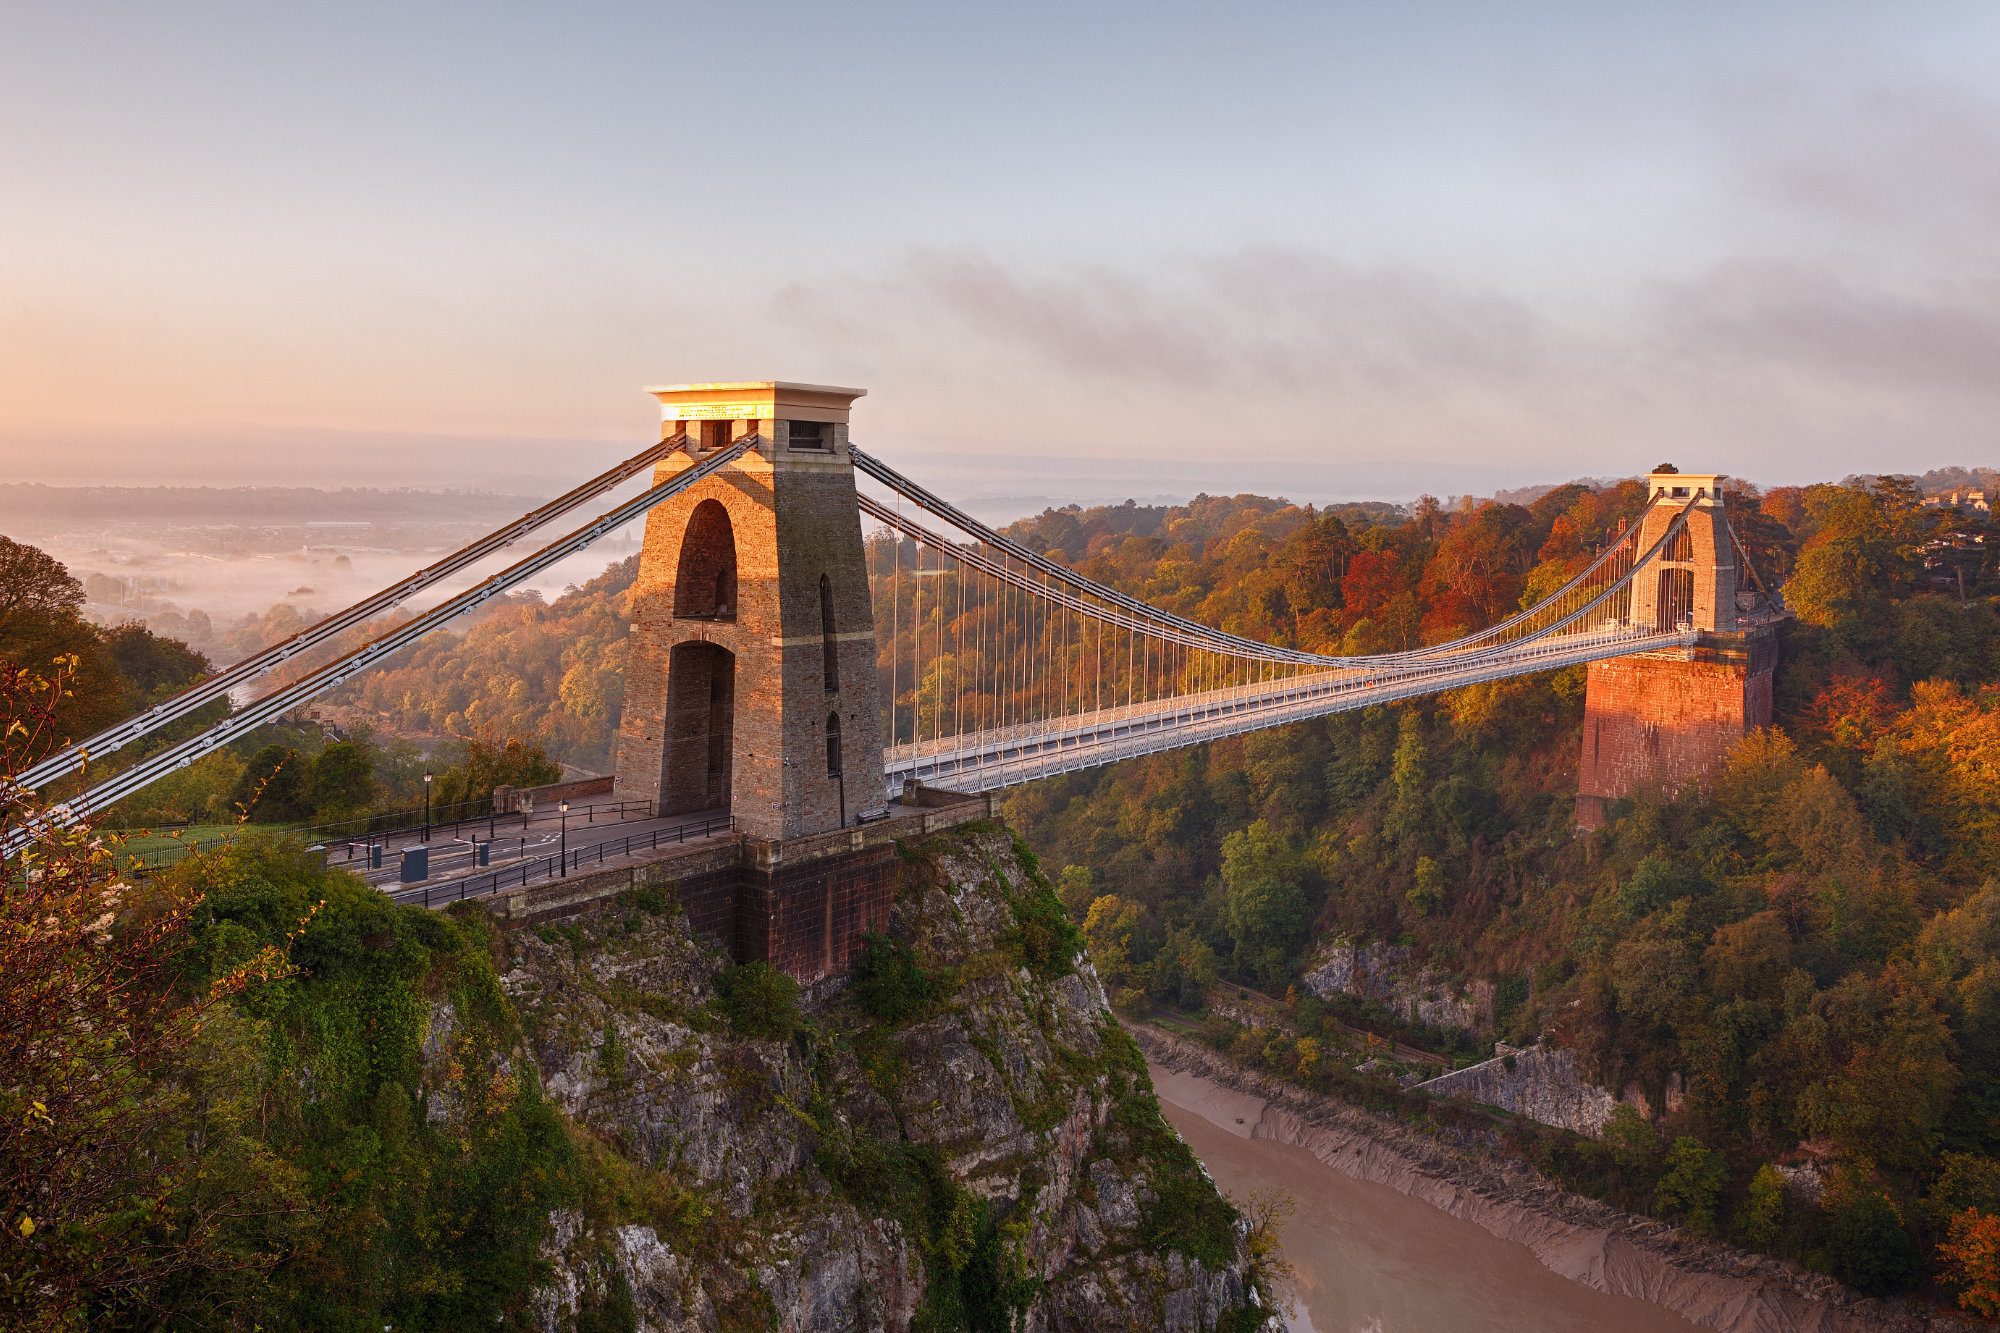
(564, 807)
(427, 805)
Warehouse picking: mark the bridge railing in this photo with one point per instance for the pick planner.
(559, 865)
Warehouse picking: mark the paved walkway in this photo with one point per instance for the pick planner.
(514, 841)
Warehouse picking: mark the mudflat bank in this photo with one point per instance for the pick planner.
(1705, 1283)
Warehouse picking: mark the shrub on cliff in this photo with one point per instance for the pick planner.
(759, 1001)
(891, 984)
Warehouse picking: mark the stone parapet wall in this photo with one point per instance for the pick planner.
(802, 905)
(508, 800)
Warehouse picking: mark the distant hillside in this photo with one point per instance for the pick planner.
(32, 504)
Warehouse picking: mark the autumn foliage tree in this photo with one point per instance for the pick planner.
(1971, 1258)
(127, 1182)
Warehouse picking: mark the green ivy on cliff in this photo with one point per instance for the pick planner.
(431, 1161)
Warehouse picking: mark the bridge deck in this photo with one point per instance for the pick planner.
(1000, 757)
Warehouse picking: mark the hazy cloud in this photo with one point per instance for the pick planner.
(1291, 317)
(1901, 163)
(1757, 317)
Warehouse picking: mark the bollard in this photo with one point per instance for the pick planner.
(374, 856)
(485, 852)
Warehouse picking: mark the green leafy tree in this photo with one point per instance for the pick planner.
(1107, 932)
(1426, 893)
(488, 764)
(274, 786)
(157, 667)
(1761, 1218)
(1692, 1183)
(1631, 1138)
(342, 781)
(1867, 1245)
(36, 590)
(1183, 970)
(1409, 772)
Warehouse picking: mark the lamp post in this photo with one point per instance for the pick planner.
(427, 805)
(565, 839)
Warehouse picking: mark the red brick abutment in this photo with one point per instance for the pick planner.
(800, 904)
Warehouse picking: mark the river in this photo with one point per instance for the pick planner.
(1369, 1259)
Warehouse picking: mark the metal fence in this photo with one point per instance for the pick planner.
(557, 866)
(344, 851)
(348, 841)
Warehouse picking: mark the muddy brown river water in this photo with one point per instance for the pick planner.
(1372, 1260)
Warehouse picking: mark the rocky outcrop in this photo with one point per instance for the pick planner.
(1705, 1282)
(1540, 1082)
(970, 1136)
(1546, 1084)
(1386, 974)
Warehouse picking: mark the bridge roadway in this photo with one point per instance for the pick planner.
(1003, 756)
(529, 852)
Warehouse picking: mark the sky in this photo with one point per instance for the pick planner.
(1071, 250)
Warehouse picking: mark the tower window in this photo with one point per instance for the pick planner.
(833, 745)
(714, 435)
(811, 435)
(829, 649)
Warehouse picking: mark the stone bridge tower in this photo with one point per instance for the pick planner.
(1666, 720)
(751, 680)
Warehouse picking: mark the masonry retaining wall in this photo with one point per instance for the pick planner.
(802, 905)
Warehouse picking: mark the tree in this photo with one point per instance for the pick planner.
(127, 1156)
(1971, 1256)
(1761, 1218)
(758, 1000)
(1409, 770)
(892, 985)
(273, 786)
(1268, 918)
(488, 764)
(1890, 1097)
(1426, 893)
(1107, 931)
(1314, 562)
(1692, 1182)
(35, 589)
(1077, 888)
(342, 781)
(1183, 970)
(1630, 1137)
(157, 667)
(1867, 1246)
(1372, 579)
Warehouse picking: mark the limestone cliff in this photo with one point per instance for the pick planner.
(960, 1138)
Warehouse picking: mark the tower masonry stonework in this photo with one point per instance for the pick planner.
(1666, 720)
(750, 682)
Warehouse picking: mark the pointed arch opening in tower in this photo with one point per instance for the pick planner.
(701, 728)
(705, 583)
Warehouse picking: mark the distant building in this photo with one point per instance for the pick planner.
(1964, 497)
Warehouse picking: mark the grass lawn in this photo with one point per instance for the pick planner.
(141, 843)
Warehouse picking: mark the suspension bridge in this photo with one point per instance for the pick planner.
(816, 637)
